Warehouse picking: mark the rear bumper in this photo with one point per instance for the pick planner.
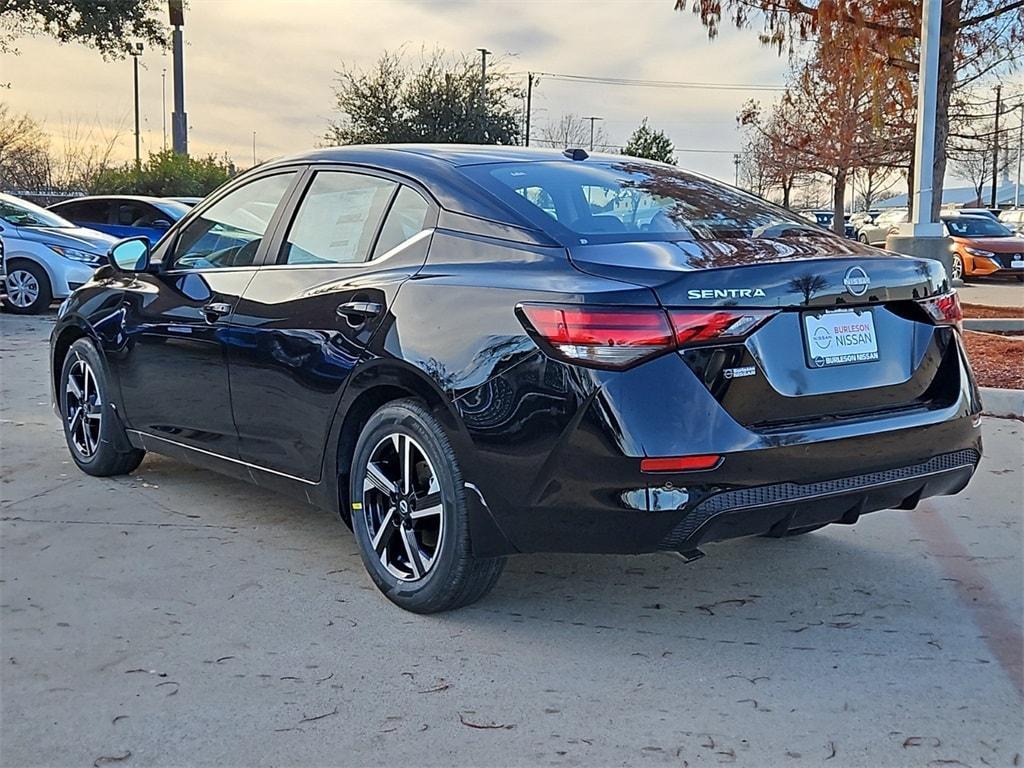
(579, 488)
(780, 507)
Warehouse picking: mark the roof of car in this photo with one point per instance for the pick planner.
(453, 154)
(436, 167)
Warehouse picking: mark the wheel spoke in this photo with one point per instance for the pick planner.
(375, 478)
(412, 551)
(406, 464)
(73, 388)
(427, 505)
(74, 418)
(384, 533)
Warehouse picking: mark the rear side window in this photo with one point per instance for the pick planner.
(406, 218)
(93, 211)
(337, 219)
(598, 201)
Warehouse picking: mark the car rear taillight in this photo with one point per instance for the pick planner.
(605, 337)
(944, 309)
(695, 326)
(618, 337)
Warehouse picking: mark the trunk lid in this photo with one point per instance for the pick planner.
(779, 377)
(762, 272)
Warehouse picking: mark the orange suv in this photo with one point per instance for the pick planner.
(983, 247)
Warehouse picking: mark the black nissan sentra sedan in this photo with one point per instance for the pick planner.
(472, 352)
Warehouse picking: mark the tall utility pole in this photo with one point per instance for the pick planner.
(995, 147)
(592, 121)
(254, 148)
(163, 103)
(484, 53)
(179, 120)
(529, 104)
(736, 161)
(135, 51)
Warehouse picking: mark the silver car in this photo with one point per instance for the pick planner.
(875, 232)
(44, 257)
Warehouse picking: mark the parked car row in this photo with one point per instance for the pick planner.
(982, 244)
(49, 252)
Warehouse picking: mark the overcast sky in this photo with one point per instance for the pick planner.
(268, 66)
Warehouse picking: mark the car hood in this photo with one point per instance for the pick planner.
(994, 244)
(83, 239)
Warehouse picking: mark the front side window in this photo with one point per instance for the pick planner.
(229, 232)
(338, 218)
(630, 200)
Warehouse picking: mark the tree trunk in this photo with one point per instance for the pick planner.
(787, 187)
(947, 76)
(839, 202)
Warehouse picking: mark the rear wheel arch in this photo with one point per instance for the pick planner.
(371, 388)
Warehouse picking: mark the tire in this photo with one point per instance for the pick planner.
(92, 429)
(423, 560)
(28, 288)
(863, 238)
(957, 272)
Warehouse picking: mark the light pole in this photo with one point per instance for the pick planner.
(163, 103)
(179, 120)
(592, 121)
(1020, 151)
(135, 51)
(922, 235)
(736, 161)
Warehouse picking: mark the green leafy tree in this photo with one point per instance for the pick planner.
(165, 174)
(107, 26)
(435, 99)
(649, 143)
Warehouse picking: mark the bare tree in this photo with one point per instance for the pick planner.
(24, 151)
(572, 131)
(86, 150)
(872, 184)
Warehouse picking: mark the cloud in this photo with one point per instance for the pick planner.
(269, 66)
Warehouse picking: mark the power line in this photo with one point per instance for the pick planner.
(625, 81)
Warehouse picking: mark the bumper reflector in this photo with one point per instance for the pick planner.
(680, 463)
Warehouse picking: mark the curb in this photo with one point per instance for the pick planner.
(994, 324)
(1005, 403)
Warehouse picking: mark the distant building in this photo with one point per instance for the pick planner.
(966, 197)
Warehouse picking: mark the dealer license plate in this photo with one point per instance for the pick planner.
(840, 338)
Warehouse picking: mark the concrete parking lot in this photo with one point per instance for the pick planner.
(176, 617)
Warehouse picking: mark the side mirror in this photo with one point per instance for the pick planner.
(161, 224)
(131, 255)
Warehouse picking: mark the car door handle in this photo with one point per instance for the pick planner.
(359, 310)
(215, 310)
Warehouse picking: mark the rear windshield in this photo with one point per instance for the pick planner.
(600, 201)
(976, 226)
